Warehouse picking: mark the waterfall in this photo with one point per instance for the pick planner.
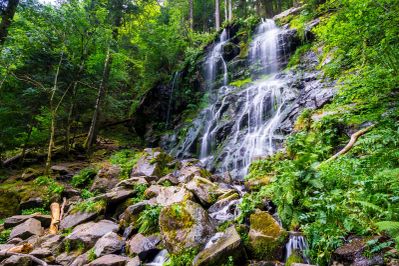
(159, 259)
(214, 58)
(296, 243)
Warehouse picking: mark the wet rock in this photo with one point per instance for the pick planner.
(28, 228)
(352, 253)
(15, 220)
(108, 244)
(228, 245)
(89, 233)
(266, 237)
(144, 247)
(17, 260)
(109, 260)
(106, 178)
(184, 225)
(74, 219)
(34, 202)
(152, 163)
(206, 191)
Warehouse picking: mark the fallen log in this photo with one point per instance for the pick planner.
(348, 146)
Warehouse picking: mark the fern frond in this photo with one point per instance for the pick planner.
(389, 226)
(368, 205)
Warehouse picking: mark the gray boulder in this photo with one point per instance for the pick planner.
(206, 191)
(108, 244)
(227, 245)
(30, 203)
(152, 164)
(143, 246)
(17, 260)
(74, 219)
(15, 220)
(27, 229)
(106, 178)
(89, 233)
(110, 260)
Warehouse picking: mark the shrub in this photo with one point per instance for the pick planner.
(84, 177)
(148, 220)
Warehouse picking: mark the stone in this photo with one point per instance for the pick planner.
(4, 247)
(65, 258)
(131, 213)
(228, 245)
(132, 182)
(15, 220)
(134, 262)
(169, 195)
(74, 219)
(169, 179)
(108, 244)
(152, 163)
(34, 202)
(90, 232)
(15, 241)
(351, 253)
(206, 191)
(143, 246)
(109, 260)
(118, 195)
(81, 260)
(184, 225)
(189, 170)
(16, 260)
(41, 253)
(49, 241)
(62, 170)
(106, 178)
(266, 237)
(28, 228)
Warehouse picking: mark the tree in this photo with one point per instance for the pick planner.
(7, 15)
(217, 15)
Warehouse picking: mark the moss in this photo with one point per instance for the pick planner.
(90, 206)
(294, 258)
(241, 82)
(295, 59)
(4, 235)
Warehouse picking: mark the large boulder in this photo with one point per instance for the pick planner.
(75, 218)
(266, 237)
(118, 195)
(106, 178)
(165, 196)
(17, 260)
(108, 244)
(109, 260)
(184, 225)
(228, 245)
(206, 191)
(131, 213)
(33, 202)
(88, 233)
(15, 220)
(143, 246)
(190, 169)
(153, 163)
(352, 253)
(27, 229)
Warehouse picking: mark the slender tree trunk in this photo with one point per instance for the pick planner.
(23, 153)
(6, 19)
(69, 120)
(191, 15)
(92, 135)
(217, 15)
(226, 16)
(230, 11)
(53, 111)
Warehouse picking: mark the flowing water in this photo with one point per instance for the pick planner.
(159, 259)
(297, 243)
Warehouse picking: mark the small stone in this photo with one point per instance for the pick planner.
(144, 247)
(108, 244)
(29, 228)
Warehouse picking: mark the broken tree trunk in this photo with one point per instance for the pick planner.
(348, 146)
(55, 217)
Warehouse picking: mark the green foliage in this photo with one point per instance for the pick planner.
(139, 194)
(295, 59)
(84, 177)
(240, 83)
(185, 258)
(86, 194)
(229, 261)
(91, 255)
(4, 235)
(35, 210)
(390, 227)
(90, 205)
(126, 159)
(148, 220)
(53, 189)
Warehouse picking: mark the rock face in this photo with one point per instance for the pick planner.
(29, 228)
(169, 195)
(17, 260)
(108, 244)
(184, 225)
(266, 237)
(206, 191)
(90, 232)
(228, 245)
(106, 178)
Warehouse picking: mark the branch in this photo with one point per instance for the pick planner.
(348, 146)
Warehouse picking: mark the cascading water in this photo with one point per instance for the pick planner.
(159, 259)
(296, 243)
(214, 58)
(255, 122)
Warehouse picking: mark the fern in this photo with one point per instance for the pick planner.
(392, 228)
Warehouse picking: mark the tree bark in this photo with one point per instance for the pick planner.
(226, 17)
(230, 11)
(217, 15)
(6, 19)
(55, 217)
(92, 135)
(191, 15)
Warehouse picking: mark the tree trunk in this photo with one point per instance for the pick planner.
(230, 11)
(92, 135)
(23, 153)
(6, 19)
(217, 15)
(226, 16)
(191, 15)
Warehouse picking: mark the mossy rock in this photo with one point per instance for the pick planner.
(266, 237)
(9, 203)
(294, 258)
